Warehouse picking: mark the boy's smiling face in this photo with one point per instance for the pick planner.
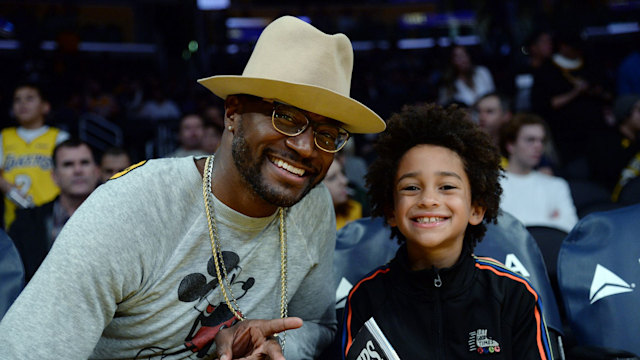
(432, 205)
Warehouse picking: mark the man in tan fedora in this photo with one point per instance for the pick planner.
(217, 256)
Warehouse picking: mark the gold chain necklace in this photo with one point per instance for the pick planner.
(223, 280)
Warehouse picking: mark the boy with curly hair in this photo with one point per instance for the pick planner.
(436, 182)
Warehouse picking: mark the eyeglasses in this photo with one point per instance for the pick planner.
(291, 121)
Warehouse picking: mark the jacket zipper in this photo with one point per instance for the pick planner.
(437, 282)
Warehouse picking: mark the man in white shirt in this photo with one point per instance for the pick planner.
(536, 199)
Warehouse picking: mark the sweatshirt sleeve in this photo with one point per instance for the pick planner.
(97, 262)
(74, 294)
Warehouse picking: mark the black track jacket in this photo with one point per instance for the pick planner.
(480, 310)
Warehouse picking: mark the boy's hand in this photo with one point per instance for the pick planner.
(253, 339)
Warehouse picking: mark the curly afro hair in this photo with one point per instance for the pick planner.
(430, 124)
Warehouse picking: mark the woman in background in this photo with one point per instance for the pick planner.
(463, 82)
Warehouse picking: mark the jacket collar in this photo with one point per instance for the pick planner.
(451, 280)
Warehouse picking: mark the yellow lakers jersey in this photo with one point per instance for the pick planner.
(28, 166)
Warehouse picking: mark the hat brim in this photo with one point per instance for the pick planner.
(356, 117)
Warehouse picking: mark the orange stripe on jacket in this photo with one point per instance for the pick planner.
(349, 336)
(537, 314)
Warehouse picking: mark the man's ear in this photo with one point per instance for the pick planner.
(232, 107)
(477, 214)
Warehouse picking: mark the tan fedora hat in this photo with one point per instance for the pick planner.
(299, 65)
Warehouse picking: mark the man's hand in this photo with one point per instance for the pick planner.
(253, 339)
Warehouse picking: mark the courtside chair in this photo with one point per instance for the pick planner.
(598, 274)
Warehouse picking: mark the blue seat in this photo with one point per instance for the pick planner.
(11, 273)
(630, 193)
(510, 243)
(598, 269)
(361, 246)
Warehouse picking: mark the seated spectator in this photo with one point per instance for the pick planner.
(211, 137)
(464, 81)
(99, 101)
(628, 76)
(611, 150)
(435, 182)
(190, 134)
(25, 153)
(493, 111)
(159, 107)
(346, 208)
(538, 46)
(213, 114)
(34, 230)
(534, 198)
(568, 93)
(113, 161)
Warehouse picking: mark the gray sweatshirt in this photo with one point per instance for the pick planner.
(131, 274)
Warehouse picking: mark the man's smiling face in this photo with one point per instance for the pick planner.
(280, 169)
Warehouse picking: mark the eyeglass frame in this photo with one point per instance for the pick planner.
(276, 103)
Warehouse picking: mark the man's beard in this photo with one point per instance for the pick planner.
(250, 169)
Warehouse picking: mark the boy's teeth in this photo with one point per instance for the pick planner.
(290, 168)
(424, 220)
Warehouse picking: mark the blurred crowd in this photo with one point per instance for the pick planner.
(584, 89)
(561, 107)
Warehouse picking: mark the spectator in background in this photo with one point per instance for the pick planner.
(538, 47)
(159, 107)
(353, 166)
(628, 76)
(99, 101)
(213, 114)
(493, 111)
(190, 134)
(25, 153)
(534, 198)
(464, 81)
(129, 95)
(567, 91)
(346, 208)
(621, 160)
(611, 150)
(113, 160)
(34, 230)
(211, 137)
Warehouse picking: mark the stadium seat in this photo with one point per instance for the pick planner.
(510, 243)
(630, 193)
(361, 246)
(589, 196)
(549, 240)
(11, 273)
(598, 268)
